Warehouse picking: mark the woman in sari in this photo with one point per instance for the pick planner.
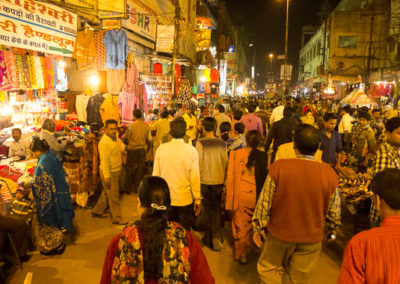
(247, 171)
(53, 200)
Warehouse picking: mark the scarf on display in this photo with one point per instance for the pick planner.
(128, 263)
(4, 78)
(11, 69)
(49, 73)
(32, 72)
(38, 72)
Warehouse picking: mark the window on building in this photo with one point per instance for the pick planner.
(347, 41)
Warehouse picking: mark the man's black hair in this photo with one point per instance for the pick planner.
(237, 114)
(287, 112)
(110, 121)
(386, 184)
(392, 124)
(239, 127)
(329, 116)
(221, 108)
(251, 108)
(376, 110)
(364, 115)
(209, 124)
(137, 113)
(178, 128)
(164, 114)
(16, 129)
(306, 139)
(347, 109)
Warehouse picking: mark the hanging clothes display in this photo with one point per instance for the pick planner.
(38, 72)
(115, 80)
(214, 76)
(81, 105)
(11, 70)
(26, 74)
(157, 68)
(143, 97)
(132, 79)
(4, 78)
(93, 109)
(127, 102)
(184, 92)
(49, 73)
(85, 49)
(115, 42)
(101, 57)
(109, 109)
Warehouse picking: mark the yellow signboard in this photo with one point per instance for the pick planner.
(112, 9)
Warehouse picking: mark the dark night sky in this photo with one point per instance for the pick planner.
(264, 23)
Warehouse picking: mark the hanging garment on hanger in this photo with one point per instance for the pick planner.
(109, 109)
(143, 98)
(127, 102)
(132, 79)
(115, 80)
(93, 109)
(184, 92)
(85, 49)
(11, 69)
(81, 105)
(4, 77)
(101, 56)
(116, 46)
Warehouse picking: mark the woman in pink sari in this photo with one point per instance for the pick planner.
(247, 171)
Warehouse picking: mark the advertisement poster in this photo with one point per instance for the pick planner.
(165, 38)
(37, 26)
(140, 21)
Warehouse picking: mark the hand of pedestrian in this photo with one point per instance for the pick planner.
(259, 237)
(197, 208)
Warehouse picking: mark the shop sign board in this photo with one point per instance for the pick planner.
(140, 21)
(203, 38)
(230, 58)
(37, 26)
(111, 24)
(112, 9)
(286, 72)
(165, 38)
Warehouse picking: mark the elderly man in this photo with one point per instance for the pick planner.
(47, 133)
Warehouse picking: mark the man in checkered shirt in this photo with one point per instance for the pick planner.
(387, 156)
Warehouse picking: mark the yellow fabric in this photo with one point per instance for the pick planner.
(286, 151)
(109, 109)
(85, 49)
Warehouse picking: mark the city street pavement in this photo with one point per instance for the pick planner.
(83, 259)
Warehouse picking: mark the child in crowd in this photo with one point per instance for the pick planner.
(22, 206)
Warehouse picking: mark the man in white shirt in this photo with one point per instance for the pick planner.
(221, 117)
(345, 126)
(277, 114)
(19, 147)
(178, 163)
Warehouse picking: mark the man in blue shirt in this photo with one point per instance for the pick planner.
(331, 144)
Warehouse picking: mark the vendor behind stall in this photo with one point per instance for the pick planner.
(47, 133)
(19, 147)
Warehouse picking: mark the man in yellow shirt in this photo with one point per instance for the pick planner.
(191, 124)
(110, 168)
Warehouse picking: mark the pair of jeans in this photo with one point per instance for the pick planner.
(212, 199)
(135, 169)
(182, 215)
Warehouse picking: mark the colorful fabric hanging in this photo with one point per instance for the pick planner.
(32, 74)
(38, 72)
(4, 78)
(48, 65)
(101, 57)
(11, 69)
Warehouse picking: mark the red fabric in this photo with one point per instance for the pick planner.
(200, 271)
(301, 200)
(373, 256)
(157, 68)
(7, 172)
(214, 75)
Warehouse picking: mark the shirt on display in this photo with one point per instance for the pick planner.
(214, 88)
(208, 88)
(207, 74)
(81, 104)
(165, 68)
(116, 46)
(202, 88)
(85, 49)
(157, 68)
(214, 75)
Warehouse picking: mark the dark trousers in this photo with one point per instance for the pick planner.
(19, 233)
(182, 215)
(361, 219)
(135, 169)
(212, 199)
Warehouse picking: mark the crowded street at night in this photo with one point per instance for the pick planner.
(199, 141)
